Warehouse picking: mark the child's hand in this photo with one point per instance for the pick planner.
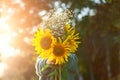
(50, 62)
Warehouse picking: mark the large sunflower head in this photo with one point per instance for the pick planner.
(72, 38)
(59, 53)
(43, 42)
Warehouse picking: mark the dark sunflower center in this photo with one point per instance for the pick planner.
(45, 42)
(58, 50)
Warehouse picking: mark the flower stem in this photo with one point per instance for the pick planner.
(60, 72)
(56, 76)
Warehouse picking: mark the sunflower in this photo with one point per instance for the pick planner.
(72, 38)
(60, 53)
(43, 42)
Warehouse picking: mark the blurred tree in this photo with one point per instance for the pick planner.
(98, 24)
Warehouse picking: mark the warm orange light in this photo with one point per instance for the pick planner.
(3, 66)
(6, 36)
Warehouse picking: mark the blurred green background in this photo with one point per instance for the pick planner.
(97, 21)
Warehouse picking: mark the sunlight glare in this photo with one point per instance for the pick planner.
(2, 68)
(5, 49)
(3, 25)
(6, 36)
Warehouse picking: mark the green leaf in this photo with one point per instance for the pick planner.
(45, 67)
(51, 78)
(52, 73)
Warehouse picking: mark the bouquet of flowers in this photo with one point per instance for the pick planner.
(55, 40)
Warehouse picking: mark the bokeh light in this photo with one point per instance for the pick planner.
(3, 66)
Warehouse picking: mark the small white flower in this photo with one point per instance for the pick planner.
(56, 21)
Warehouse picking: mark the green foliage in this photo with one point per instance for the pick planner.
(109, 1)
